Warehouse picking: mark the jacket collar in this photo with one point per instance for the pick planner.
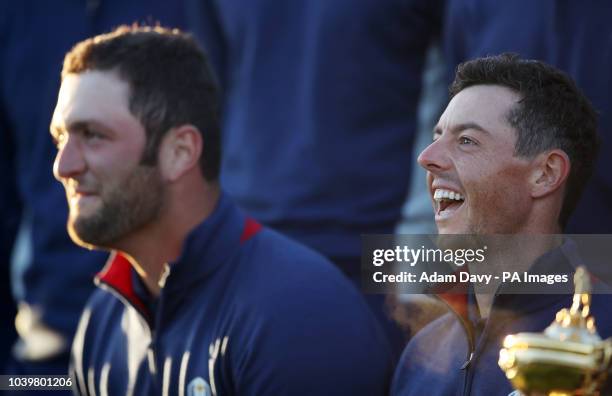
(207, 246)
(564, 259)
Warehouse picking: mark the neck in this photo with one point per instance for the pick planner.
(157, 244)
(514, 253)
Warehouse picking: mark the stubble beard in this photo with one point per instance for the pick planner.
(131, 205)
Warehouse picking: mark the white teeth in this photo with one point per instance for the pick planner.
(440, 194)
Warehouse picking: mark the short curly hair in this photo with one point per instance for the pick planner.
(552, 113)
(170, 82)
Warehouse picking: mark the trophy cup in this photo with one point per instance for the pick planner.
(568, 358)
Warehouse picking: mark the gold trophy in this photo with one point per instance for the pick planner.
(568, 358)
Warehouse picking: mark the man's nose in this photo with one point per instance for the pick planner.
(435, 157)
(69, 161)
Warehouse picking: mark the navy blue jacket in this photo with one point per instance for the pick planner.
(457, 354)
(573, 36)
(244, 311)
(319, 111)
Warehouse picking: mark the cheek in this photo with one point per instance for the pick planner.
(498, 194)
(111, 164)
(500, 186)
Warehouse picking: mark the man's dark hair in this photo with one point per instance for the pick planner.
(170, 84)
(552, 113)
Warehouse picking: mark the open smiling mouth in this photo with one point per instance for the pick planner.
(447, 201)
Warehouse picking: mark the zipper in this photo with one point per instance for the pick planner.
(467, 363)
(467, 366)
(157, 320)
(467, 328)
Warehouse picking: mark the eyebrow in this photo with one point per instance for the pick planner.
(462, 127)
(76, 126)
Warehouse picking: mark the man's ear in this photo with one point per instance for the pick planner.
(551, 170)
(179, 151)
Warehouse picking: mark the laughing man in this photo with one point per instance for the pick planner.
(511, 155)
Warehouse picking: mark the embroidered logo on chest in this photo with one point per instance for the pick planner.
(198, 387)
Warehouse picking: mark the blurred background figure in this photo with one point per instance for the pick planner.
(52, 277)
(414, 311)
(417, 212)
(576, 38)
(320, 115)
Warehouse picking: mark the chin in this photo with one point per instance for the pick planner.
(85, 232)
(76, 238)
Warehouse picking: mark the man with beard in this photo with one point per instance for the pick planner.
(511, 155)
(196, 298)
(34, 244)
